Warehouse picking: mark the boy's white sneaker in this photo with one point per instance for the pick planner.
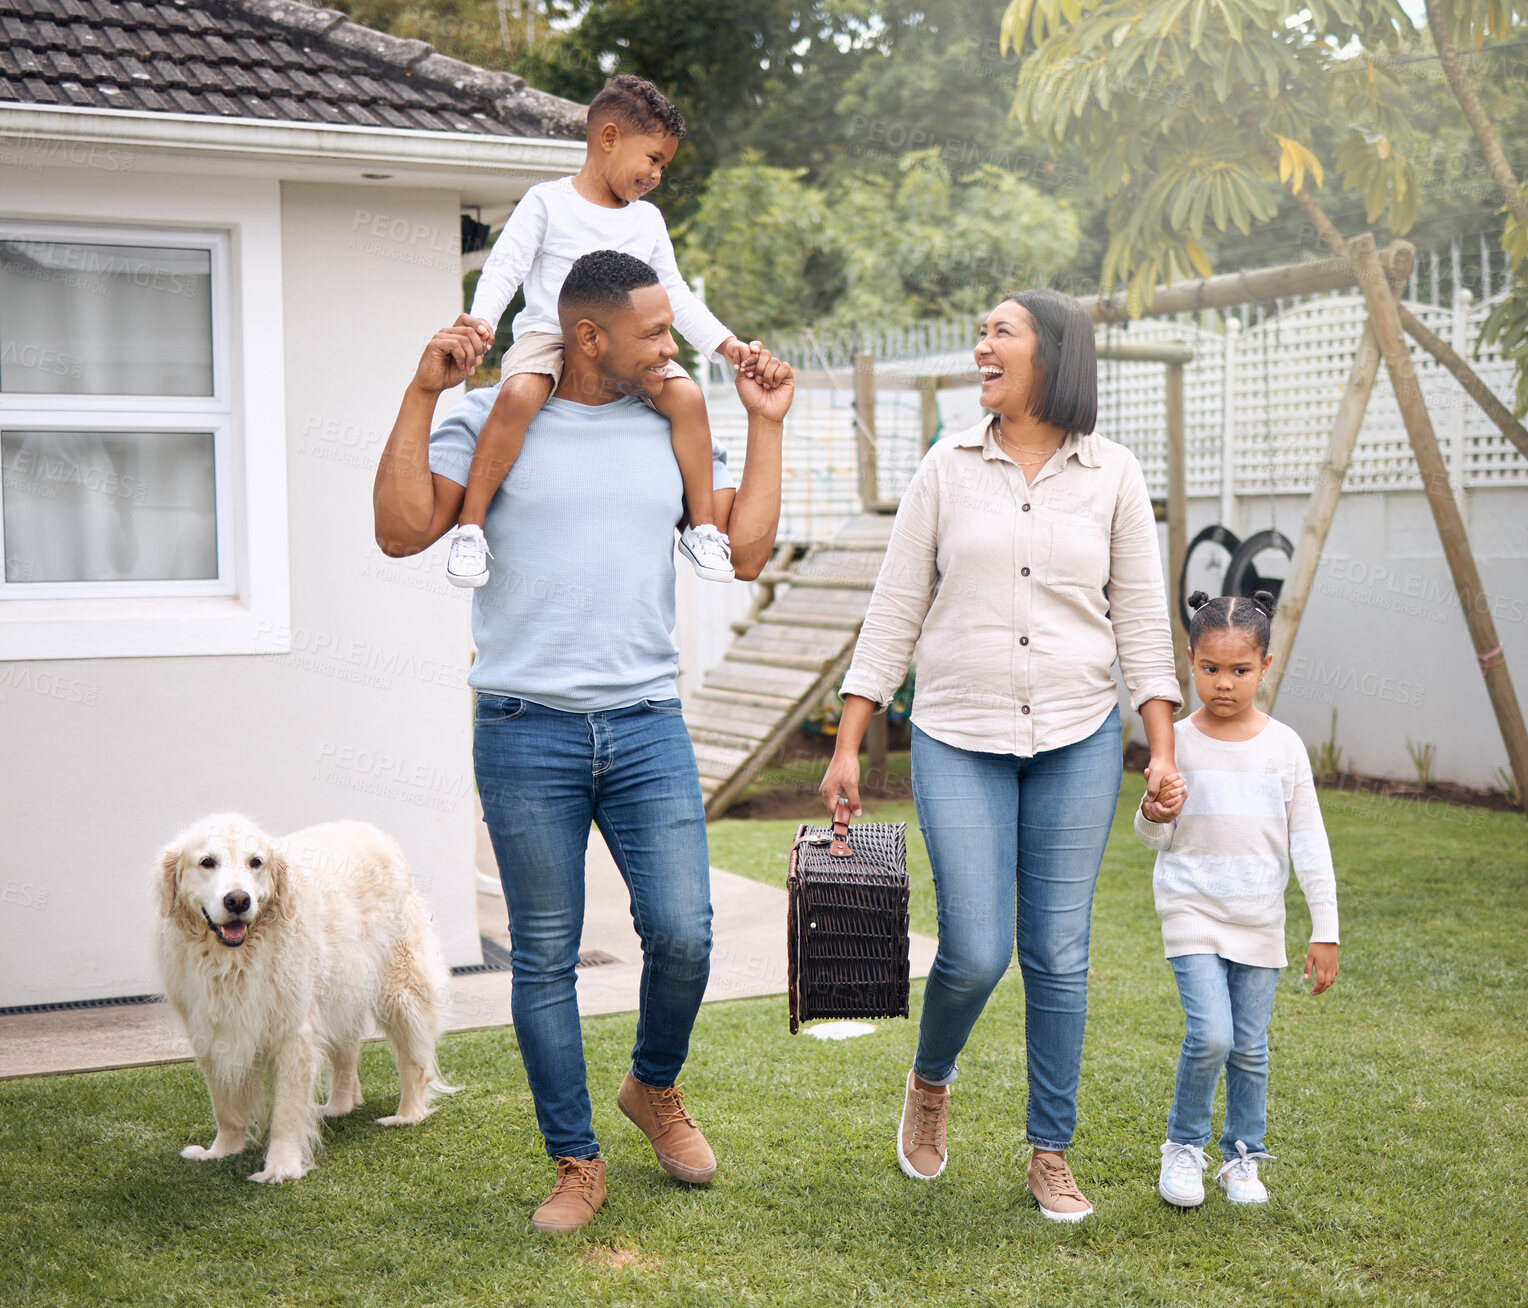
(1182, 1179)
(709, 551)
(1239, 1179)
(467, 564)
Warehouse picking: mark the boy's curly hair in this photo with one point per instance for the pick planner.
(635, 105)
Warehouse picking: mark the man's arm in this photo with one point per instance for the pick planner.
(413, 507)
(751, 516)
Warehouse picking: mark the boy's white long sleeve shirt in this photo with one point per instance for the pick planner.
(552, 226)
(1223, 862)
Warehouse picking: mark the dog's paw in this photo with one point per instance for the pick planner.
(275, 1173)
(201, 1155)
(400, 1119)
(341, 1109)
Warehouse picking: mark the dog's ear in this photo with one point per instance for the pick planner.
(168, 882)
(281, 886)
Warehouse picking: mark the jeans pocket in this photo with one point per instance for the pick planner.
(663, 705)
(491, 709)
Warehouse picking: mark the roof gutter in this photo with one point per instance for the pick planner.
(190, 135)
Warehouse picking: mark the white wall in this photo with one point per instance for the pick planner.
(1383, 639)
(366, 717)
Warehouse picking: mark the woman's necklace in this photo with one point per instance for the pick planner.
(1011, 450)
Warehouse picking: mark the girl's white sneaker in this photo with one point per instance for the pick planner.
(1239, 1178)
(467, 564)
(1182, 1179)
(709, 551)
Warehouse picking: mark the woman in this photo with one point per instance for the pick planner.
(1024, 559)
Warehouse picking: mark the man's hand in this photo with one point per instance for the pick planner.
(479, 325)
(1321, 959)
(452, 356)
(766, 385)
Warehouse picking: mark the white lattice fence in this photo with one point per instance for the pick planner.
(1287, 373)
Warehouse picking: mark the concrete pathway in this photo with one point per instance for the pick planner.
(747, 960)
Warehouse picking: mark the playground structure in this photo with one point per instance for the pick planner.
(795, 644)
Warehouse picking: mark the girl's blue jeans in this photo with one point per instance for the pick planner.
(1226, 1008)
(544, 776)
(1015, 845)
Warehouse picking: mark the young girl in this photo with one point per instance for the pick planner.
(1243, 808)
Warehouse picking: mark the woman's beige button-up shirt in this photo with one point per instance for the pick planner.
(1019, 596)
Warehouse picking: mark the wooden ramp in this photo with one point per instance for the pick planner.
(789, 653)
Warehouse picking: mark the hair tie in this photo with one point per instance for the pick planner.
(1490, 657)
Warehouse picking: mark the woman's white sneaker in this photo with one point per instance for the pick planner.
(467, 564)
(1182, 1179)
(1239, 1178)
(708, 551)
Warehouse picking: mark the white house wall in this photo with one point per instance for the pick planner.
(366, 716)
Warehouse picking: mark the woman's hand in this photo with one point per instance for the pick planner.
(841, 781)
(1159, 772)
(1169, 801)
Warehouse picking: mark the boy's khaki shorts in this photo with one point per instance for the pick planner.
(541, 352)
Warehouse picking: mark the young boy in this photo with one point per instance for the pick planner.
(631, 138)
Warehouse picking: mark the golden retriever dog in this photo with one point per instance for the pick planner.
(276, 953)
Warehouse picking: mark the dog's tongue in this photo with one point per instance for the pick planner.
(232, 932)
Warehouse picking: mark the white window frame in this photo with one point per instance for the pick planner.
(141, 413)
(245, 609)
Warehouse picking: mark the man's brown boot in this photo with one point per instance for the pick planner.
(660, 1115)
(577, 1196)
(1054, 1188)
(921, 1152)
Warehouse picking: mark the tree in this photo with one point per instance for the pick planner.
(1189, 110)
(868, 251)
(1471, 21)
(718, 60)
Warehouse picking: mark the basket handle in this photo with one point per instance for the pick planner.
(839, 846)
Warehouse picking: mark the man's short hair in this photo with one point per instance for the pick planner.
(635, 105)
(601, 281)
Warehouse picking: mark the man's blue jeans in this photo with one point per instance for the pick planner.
(543, 776)
(1015, 838)
(1226, 1009)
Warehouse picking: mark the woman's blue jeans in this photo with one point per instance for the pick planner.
(544, 776)
(1226, 1009)
(1015, 845)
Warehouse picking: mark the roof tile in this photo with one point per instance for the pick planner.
(40, 91)
(274, 59)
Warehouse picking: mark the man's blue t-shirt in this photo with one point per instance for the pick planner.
(578, 609)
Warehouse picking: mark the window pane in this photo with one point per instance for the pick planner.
(108, 506)
(104, 319)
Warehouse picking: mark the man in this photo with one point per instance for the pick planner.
(576, 718)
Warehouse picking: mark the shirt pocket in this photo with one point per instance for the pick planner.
(1078, 553)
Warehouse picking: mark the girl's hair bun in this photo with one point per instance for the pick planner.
(1265, 601)
(1199, 599)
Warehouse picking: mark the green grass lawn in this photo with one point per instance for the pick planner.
(1397, 1110)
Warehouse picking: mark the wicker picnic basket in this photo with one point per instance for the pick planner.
(846, 921)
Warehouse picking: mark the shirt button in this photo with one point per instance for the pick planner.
(1024, 572)
(1023, 640)
(1025, 709)
(1026, 508)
